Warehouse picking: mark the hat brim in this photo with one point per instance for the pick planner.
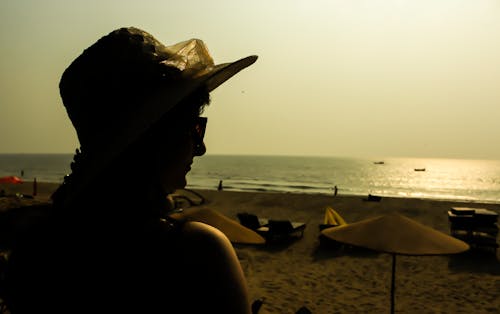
(225, 71)
(127, 131)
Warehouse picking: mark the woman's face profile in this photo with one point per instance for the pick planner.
(175, 159)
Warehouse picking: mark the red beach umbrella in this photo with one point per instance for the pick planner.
(11, 179)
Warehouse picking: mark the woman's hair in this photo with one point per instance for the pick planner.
(193, 105)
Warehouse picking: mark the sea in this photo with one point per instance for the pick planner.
(426, 178)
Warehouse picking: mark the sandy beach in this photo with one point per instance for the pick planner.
(325, 280)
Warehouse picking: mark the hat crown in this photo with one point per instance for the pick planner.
(190, 56)
(118, 72)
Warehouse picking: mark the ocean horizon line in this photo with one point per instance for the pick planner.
(361, 157)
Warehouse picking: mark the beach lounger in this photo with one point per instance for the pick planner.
(285, 229)
(186, 198)
(253, 222)
(372, 198)
(476, 226)
(272, 229)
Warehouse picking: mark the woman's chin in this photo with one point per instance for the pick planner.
(182, 183)
(177, 185)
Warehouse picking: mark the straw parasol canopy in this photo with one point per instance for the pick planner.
(396, 234)
(235, 232)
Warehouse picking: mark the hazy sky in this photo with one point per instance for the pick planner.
(351, 78)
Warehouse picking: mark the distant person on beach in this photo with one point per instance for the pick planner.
(35, 187)
(109, 244)
(219, 188)
(335, 190)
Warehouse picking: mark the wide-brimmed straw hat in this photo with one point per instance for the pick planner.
(127, 81)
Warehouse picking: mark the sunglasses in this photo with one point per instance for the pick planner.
(200, 126)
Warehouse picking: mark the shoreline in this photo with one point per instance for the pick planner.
(45, 189)
(473, 201)
(47, 186)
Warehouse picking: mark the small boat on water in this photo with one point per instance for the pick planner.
(379, 162)
(419, 169)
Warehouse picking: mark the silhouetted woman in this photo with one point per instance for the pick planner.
(109, 245)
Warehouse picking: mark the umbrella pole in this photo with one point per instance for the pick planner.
(393, 279)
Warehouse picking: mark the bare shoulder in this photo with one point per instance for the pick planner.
(202, 241)
(214, 269)
(198, 231)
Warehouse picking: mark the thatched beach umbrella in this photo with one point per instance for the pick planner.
(396, 234)
(235, 232)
